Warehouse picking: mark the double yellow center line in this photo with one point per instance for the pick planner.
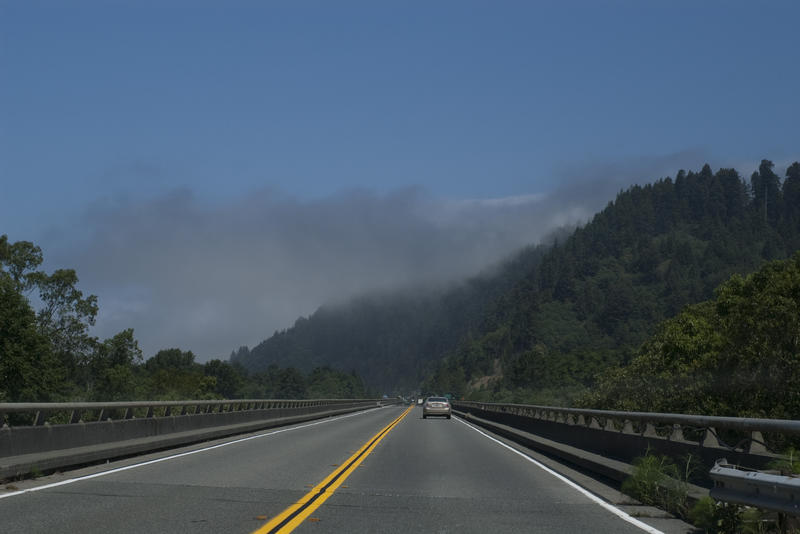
(292, 517)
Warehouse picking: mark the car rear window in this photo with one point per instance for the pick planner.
(437, 399)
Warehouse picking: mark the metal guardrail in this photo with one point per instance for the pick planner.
(653, 424)
(101, 411)
(752, 488)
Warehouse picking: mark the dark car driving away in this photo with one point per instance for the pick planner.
(436, 406)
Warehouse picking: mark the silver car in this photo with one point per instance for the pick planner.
(436, 406)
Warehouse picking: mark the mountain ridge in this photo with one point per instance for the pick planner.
(546, 323)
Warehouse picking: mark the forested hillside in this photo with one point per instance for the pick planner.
(735, 355)
(594, 299)
(390, 339)
(543, 327)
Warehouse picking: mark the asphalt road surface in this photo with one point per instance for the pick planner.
(433, 475)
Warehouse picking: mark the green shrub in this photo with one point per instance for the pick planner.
(658, 481)
(790, 465)
(704, 514)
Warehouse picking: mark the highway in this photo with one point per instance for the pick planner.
(384, 470)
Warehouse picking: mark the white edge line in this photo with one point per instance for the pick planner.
(613, 509)
(172, 457)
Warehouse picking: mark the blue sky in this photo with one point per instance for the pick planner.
(136, 116)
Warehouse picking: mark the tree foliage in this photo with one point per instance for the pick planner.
(737, 354)
(28, 370)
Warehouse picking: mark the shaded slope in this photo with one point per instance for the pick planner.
(388, 339)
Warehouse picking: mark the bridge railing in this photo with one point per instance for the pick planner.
(36, 414)
(623, 436)
(709, 431)
(46, 436)
(607, 442)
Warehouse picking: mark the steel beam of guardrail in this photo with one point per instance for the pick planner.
(752, 488)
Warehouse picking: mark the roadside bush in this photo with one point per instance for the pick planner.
(789, 465)
(658, 481)
(720, 518)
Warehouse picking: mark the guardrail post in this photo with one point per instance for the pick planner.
(39, 419)
(756, 443)
(710, 439)
(627, 427)
(677, 433)
(650, 431)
